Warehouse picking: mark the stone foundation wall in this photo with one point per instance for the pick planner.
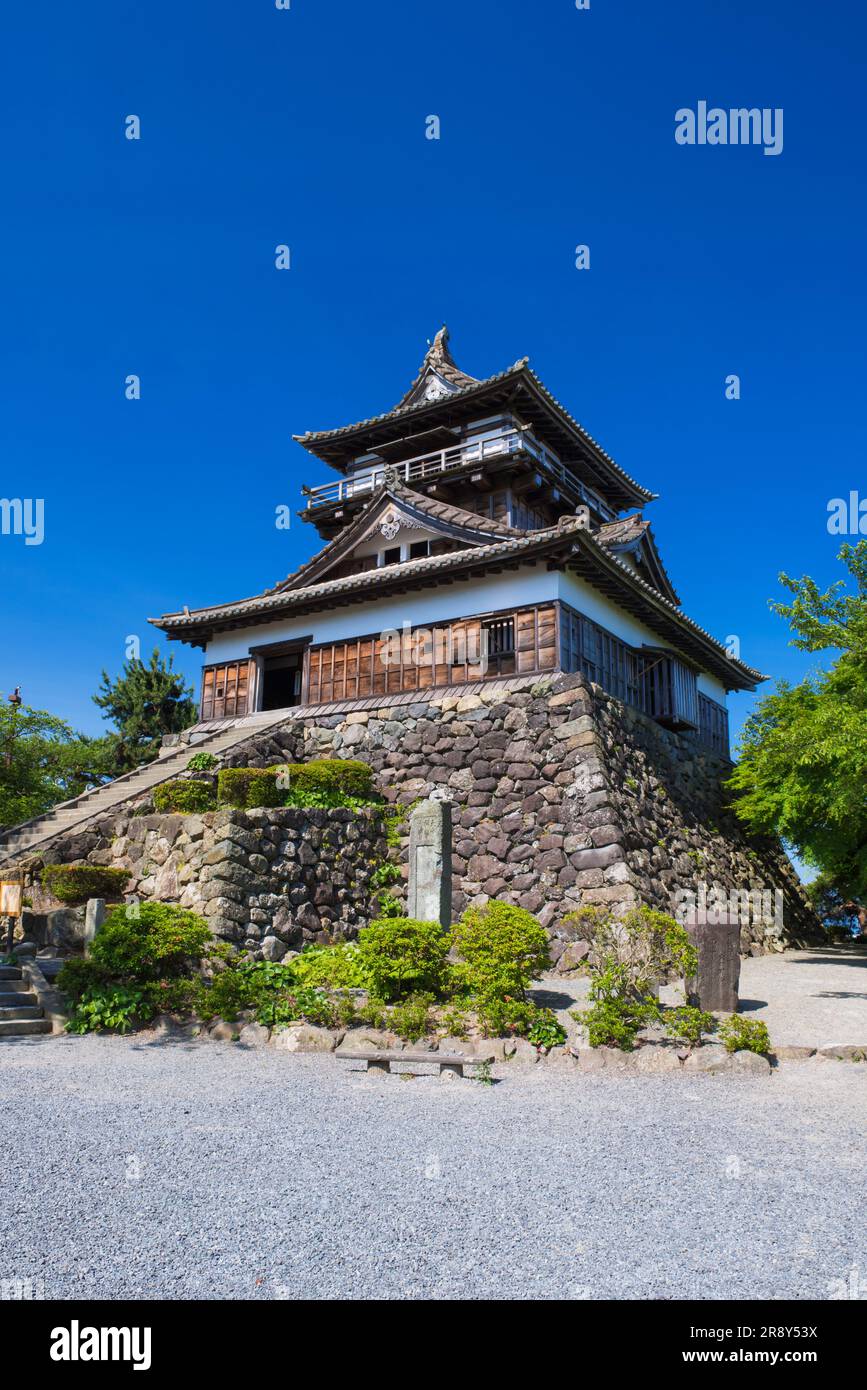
(266, 880)
(563, 796)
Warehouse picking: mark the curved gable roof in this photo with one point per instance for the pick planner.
(417, 509)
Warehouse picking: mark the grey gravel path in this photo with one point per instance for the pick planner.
(200, 1170)
(811, 997)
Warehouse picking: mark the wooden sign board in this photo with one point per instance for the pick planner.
(10, 899)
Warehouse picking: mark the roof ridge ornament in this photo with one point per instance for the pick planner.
(439, 375)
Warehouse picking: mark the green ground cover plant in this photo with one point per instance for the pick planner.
(183, 796)
(739, 1034)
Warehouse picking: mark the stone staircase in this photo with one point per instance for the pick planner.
(20, 1012)
(70, 815)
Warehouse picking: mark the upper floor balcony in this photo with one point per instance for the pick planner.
(496, 448)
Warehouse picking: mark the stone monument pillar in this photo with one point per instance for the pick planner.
(94, 916)
(430, 863)
(715, 985)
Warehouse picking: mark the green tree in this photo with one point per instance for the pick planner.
(43, 761)
(143, 703)
(802, 772)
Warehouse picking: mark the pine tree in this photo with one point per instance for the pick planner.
(143, 703)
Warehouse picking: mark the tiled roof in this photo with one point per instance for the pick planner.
(394, 492)
(438, 359)
(569, 531)
(312, 436)
(626, 533)
(466, 387)
(623, 531)
(278, 599)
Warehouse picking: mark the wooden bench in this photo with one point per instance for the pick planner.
(446, 1061)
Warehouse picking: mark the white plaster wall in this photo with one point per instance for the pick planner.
(435, 605)
(593, 604)
(531, 585)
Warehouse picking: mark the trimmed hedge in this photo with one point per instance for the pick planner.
(184, 797)
(341, 776)
(75, 883)
(247, 787)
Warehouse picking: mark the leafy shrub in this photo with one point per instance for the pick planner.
(325, 777)
(739, 1034)
(373, 1013)
(202, 762)
(156, 941)
(455, 1023)
(503, 1018)
(230, 991)
(336, 967)
(686, 1024)
(75, 883)
(546, 1030)
(388, 905)
(617, 1011)
(645, 947)
(177, 996)
(402, 956)
(183, 796)
(628, 958)
(248, 787)
(384, 874)
(503, 949)
(411, 1019)
(272, 991)
(103, 1006)
(77, 977)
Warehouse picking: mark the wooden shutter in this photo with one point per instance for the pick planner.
(226, 689)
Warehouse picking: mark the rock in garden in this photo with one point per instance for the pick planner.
(845, 1052)
(573, 956)
(653, 1060)
(223, 1031)
(306, 1038)
(750, 1064)
(708, 1059)
(254, 1035)
(374, 1040)
(525, 1054)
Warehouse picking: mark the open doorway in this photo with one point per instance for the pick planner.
(282, 673)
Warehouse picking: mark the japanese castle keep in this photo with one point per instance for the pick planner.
(487, 620)
(474, 533)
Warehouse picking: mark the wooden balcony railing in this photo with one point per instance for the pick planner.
(442, 462)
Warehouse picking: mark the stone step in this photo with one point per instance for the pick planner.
(10, 972)
(12, 991)
(117, 793)
(24, 1027)
(21, 1011)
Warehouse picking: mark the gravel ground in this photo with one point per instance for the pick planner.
(148, 1169)
(811, 998)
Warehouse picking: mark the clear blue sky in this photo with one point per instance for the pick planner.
(307, 127)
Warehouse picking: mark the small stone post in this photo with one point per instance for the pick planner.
(715, 985)
(430, 863)
(94, 916)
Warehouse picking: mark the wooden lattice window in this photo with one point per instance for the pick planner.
(226, 689)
